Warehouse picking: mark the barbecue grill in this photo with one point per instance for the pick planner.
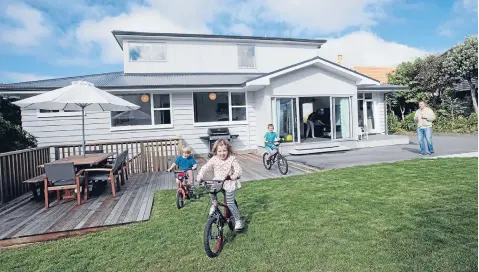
(216, 134)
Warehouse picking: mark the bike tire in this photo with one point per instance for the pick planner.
(282, 164)
(267, 166)
(213, 222)
(179, 200)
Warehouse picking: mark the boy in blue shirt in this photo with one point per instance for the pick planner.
(269, 138)
(185, 162)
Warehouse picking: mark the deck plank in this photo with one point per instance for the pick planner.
(23, 217)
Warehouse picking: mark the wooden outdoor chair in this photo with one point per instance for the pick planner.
(61, 176)
(112, 174)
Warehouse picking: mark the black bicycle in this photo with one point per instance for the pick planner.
(213, 235)
(276, 158)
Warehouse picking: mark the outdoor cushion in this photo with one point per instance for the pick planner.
(98, 175)
(63, 182)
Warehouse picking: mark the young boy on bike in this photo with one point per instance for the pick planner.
(269, 138)
(186, 161)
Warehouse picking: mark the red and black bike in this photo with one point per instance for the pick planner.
(184, 190)
(213, 235)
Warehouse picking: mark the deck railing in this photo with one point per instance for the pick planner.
(18, 166)
(143, 156)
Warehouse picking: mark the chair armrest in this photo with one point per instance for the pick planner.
(98, 170)
(80, 172)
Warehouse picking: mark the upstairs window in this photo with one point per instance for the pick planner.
(147, 51)
(246, 56)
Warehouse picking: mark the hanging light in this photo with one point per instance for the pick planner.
(212, 96)
(145, 98)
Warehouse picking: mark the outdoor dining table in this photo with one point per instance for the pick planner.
(87, 160)
(81, 161)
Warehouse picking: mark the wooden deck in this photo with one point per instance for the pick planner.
(23, 220)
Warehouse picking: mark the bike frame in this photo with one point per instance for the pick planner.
(217, 204)
(181, 187)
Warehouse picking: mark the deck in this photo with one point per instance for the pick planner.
(23, 220)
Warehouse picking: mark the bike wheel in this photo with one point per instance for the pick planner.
(179, 200)
(210, 239)
(265, 163)
(282, 164)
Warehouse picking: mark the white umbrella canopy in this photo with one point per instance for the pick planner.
(81, 95)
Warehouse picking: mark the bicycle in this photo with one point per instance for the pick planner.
(276, 157)
(184, 191)
(216, 219)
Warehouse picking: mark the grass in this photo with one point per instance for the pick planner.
(419, 215)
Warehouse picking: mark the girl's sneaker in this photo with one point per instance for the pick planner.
(239, 225)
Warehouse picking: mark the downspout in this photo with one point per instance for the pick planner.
(386, 131)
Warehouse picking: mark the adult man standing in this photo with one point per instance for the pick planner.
(424, 117)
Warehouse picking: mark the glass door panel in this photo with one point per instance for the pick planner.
(287, 119)
(370, 116)
(341, 118)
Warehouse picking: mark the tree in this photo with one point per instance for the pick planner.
(460, 63)
(12, 136)
(433, 80)
(405, 75)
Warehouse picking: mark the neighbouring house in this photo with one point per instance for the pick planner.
(187, 83)
(376, 72)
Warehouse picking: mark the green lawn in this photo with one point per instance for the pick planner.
(418, 215)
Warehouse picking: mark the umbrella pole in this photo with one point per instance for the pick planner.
(83, 128)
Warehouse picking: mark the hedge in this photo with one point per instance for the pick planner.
(442, 124)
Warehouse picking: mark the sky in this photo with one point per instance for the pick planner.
(43, 39)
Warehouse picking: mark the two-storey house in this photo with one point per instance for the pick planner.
(187, 83)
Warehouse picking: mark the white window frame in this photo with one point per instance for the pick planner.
(60, 113)
(152, 109)
(222, 123)
(152, 45)
(239, 56)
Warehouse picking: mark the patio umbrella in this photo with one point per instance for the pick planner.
(80, 95)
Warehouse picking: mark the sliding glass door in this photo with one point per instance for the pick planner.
(341, 118)
(286, 118)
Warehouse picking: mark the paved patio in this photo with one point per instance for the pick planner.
(443, 145)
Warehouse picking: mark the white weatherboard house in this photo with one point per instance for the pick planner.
(187, 83)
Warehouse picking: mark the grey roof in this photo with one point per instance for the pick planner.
(118, 80)
(116, 33)
(382, 87)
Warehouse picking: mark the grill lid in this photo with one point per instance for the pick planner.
(218, 131)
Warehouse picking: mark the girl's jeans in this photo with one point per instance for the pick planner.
(425, 134)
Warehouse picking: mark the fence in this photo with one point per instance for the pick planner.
(18, 166)
(143, 156)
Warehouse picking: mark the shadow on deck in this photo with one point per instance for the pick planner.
(25, 221)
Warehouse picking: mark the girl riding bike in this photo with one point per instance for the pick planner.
(224, 164)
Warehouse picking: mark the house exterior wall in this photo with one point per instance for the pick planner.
(378, 111)
(57, 130)
(214, 56)
(312, 81)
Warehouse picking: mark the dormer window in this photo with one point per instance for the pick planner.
(246, 56)
(147, 51)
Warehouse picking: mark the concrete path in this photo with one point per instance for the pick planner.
(443, 145)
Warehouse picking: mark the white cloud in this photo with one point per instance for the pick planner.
(313, 15)
(364, 48)
(240, 29)
(27, 27)
(9, 77)
(162, 16)
(464, 13)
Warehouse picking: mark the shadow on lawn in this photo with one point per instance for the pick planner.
(252, 206)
